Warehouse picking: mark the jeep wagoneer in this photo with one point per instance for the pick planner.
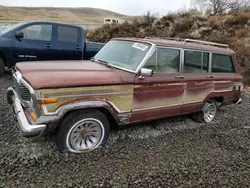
(129, 80)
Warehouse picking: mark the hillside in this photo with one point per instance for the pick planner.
(232, 29)
(68, 15)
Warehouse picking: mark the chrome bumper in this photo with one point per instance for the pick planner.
(27, 129)
(239, 101)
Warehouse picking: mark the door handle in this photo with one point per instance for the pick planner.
(210, 76)
(78, 47)
(48, 45)
(179, 77)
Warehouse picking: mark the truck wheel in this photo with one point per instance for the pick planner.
(2, 66)
(82, 131)
(207, 114)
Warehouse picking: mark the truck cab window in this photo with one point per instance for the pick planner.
(38, 32)
(67, 34)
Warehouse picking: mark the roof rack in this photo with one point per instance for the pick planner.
(191, 40)
(166, 38)
(207, 43)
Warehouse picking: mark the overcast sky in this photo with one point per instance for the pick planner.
(129, 7)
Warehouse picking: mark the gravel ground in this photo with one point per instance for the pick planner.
(176, 152)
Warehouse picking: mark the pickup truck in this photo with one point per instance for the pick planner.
(42, 41)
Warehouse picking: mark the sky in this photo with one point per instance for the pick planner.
(128, 7)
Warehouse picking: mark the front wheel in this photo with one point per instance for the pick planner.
(207, 113)
(82, 131)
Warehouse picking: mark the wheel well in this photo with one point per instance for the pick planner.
(218, 100)
(113, 123)
(2, 56)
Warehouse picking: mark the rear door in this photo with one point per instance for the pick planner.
(69, 44)
(36, 45)
(198, 80)
(160, 95)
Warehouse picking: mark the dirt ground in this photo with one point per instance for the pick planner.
(175, 152)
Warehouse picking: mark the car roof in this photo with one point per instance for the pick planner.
(180, 43)
(49, 22)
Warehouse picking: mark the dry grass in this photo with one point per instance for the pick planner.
(67, 15)
(232, 29)
(229, 16)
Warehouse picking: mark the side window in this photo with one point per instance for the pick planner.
(41, 32)
(195, 62)
(164, 60)
(151, 63)
(67, 34)
(222, 63)
(168, 60)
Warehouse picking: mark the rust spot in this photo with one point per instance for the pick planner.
(69, 101)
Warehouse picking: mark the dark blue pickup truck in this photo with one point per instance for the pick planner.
(41, 41)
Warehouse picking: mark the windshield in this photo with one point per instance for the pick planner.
(123, 54)
(9, 28)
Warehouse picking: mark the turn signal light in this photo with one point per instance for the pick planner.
(33, 115)
(49, 100)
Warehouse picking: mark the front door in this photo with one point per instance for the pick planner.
(160, 95)
(37, 44)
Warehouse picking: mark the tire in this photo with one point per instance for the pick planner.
(2, 67)
(82, 131)
(207, 114)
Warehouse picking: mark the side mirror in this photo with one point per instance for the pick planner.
(146, 72)
(19, 35)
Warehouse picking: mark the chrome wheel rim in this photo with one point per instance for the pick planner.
(85, 135)
(209, 111)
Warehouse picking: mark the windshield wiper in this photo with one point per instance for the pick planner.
(100, 61)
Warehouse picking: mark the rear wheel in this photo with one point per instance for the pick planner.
(207, 114)
(82, 131)
(2, 66)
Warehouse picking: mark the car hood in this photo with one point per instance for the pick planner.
(58, 74)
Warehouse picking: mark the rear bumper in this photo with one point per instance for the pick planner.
(27, 129)
(239, 101)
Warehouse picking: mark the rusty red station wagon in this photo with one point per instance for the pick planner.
(129, 80)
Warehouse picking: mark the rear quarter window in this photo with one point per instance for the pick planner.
(222, 64)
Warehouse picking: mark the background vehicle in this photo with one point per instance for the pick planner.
(41, 41)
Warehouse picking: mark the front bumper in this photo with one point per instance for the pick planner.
(27, 129)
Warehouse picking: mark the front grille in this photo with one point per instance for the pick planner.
(24, 92)
(21, 89)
